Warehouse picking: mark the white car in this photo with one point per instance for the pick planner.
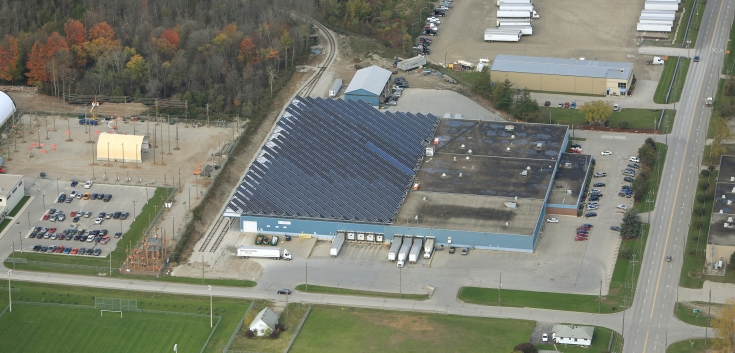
(606, 153)
(73, 194)
(634, 159)
(98, 220)
(622, 207)
(595, 190)
(552, 220)
(545, 337)
(88, 184)
(592, 207)
(616, 107)
(434, 20)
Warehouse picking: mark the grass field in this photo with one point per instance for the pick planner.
(363, 293)
(654, 183)
(635, 118)
(338, 329)
(690, 346)
(687, 314)
(620, 292)
(663, 83)
(729, 64)
(694, 256)
(696, 21)
(230, 310)
(19, 206)
(59, 329)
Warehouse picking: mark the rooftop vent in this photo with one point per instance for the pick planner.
(436, 141)
(509, 128)
(430, 151)
(729, 202)
(732, 178)
(510, 204)
(444, 175)
(424, 198)
(569, 191)
(524, 173)
(733, 189)
(506, 223)
(462, 146)
(469, 151)
(729, 220)
(539, 145)
(467, 158)
(512, 136)
(528, 168)
(507, 149)
(460, 175)
(455, 158)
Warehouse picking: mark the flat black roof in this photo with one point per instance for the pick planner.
(569, 176)
(727, 169)
(724, 198)
(718, 234)
(502, 139)
(482, 175)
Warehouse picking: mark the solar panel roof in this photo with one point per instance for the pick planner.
(335, 160)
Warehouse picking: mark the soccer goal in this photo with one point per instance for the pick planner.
(111, 311)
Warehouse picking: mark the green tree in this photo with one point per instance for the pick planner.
(648, 155)
(596, 112)
(503, 95)
(526, 108)
(731, 264)
(484, 85)
(286, 43)
(631, 224)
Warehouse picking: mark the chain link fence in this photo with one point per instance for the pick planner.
(298, 328)
(237, 329)
(97, 269)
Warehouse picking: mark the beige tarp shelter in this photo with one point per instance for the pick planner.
(117, 148)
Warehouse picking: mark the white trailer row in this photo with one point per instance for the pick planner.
(648, 27)
(337, 243)
(656, 22)
(667, 14)
(518, 14)
(513, 2)
(403, 252)
(525, 30)
(513, 22)
(527, 8)
(661, 5)
(502, 35)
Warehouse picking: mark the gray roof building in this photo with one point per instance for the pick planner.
(371, 79)
(573, 331)
(562, 67)
(265, 320)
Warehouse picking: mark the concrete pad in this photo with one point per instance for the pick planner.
(439, 102)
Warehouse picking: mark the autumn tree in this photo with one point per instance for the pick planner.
(286, 42)
(101, 40)
(36, 64)
(9, 56)
(75, 32)
(247, 50)
(101, 30)
(596, 112)
(724, 326)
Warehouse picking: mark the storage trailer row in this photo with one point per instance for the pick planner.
(502, 35)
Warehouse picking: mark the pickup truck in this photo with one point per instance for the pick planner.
(600, 174)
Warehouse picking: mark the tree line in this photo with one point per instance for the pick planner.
(224, 53)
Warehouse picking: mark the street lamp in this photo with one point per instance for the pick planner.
(57, 187)
(133, 210)
(108, 153)
(44, 201)
(10, 298)
(136, 154)
(123, 154)
(210, 305)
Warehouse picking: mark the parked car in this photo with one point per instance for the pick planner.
(615, 228)
(61, 217)
(284, 291)
(547, 103)
(74, 251)
(46, 217)
(86, 196)
(118, 235)
(124, 215)
(75, 219)
(98, 220)
(82, 251)
(117, 215)
(634, 159)
(606, 153)
(545, 337)
(552, 220)
(590, 214)
(452, 249)
(560, 105)
(87, 214)
(108, 215)
(94, 196)
(622, 207)
(628, 179)
(97, 252)
(465, 251)
(73, 193)
(88, 184)
(616, 107)
(600, 174)
(633, 165)
(89, 251)
(69, 199)
(573, 105)
(599, 185)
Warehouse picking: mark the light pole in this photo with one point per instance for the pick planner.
(20, 236)
(123, 154)
(173, 227)
(210, 306)
(133, 210)
(57, 187)
(108, 153)
(412, 30)
(44, 201)
(688, 42)
(136, 155)
(10, 298)
(146, 192)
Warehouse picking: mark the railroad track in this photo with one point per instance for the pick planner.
(211, 233)
(332, 43)
(221, 235)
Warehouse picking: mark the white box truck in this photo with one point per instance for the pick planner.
(646, 27)
(661, 5)
(262, 252)
(336, 86)
(395, 247)
(508, 2)
(412, 63)
(525, 30)
(502, 35)
(428, 248)
(512, 22)
(403, 253)
(657, 60)
(337, 243)
(515, 7)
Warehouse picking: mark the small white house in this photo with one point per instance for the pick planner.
(572, 334)
(264, 323)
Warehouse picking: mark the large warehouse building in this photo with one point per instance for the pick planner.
(334, 166)
(564, 75)
(370, 84)
(7, 107)
(721, 239)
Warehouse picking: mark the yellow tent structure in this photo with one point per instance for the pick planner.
(116, 148)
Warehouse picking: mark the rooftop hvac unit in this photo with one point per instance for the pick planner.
(460, 175)
(430, 151)
(569, 191)
(462, 146)
(455, 159)
(509, 128)
(539, 145)
(467, 158)
(729, 220)
(524, 173)
(732, 178)
(507, 149)
(510, 204)
(729, 202)
(723, 196)
(444, 175)
(733, 189)
(469, 151)
(528, 168)
(512, 136)
(720, 211)
(567, 164)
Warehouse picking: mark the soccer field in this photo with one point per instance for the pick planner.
(63, 329)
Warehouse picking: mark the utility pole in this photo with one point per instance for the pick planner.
(500, 286)
(709, 307)
(599, 299)
(207, 114)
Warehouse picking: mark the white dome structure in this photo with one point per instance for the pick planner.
(7, 107)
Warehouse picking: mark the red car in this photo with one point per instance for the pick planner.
(580, 239)
(59, 249)
(566, 104)
(46, 217)
(72, 213)
(52, 230)
(74, 251)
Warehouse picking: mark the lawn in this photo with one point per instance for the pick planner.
(37, 329)
(690, 346)
(230, 310)
(5, 223)
(621, 291)
(696, 21)
(344, 329)
(290, 318)
(635, 118)
(654, 183)
(363, 293)
(687, 314)
(696, 245)
(665, 80)
(18, 207)
(600, 341)
(729, 62)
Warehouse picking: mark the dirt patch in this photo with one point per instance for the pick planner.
(703, 308)
(32, 101)
(415, 327)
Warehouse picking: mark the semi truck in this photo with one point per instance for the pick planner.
(514, 7)
(517, 14)
(428, 248)
(403, 253)
(502, 35)
(657, 60)
(525, 30)
(708, 102)
(395, 247)
(509, 2)
(647, 27)
(255, 251)
(337, 243)
(512, 22)
(412, 63)
(661, 5)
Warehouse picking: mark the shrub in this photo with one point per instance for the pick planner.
(249, 333)
(526, 348)
(701, 197)
(705, 172)
(703, 184)
(699, 210)
(275, 334)
(624, 124)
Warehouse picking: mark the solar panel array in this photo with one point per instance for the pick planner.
(335, 160)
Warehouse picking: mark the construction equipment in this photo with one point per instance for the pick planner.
(91, 111)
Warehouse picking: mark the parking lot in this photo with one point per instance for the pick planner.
(101, 226)
(440, 102)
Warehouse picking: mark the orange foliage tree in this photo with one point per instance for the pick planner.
(247, 50)
(75, 32)
(101, 30)
(172, 37)
(101, 40)
(9, 56)
(167, 43)
(36, 63)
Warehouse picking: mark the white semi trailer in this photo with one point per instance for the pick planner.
(337, 243)
(428, 248)
(656, 22)
(413, 256)
(395, 247)
(513, 22)
(412, 63)
(403, 253)
(515, 7)
(502, 35)
(509, 2)
(262, 252)
(661, 5)
(514, 14)
(646, 27)
(525, 30)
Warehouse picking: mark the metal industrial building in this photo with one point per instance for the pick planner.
(11, 192)
(370, 84)
(119, 148)
(721, 238)
(333, 166)
(7, 107)
(564, 75)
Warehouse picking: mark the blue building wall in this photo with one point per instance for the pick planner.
(364, 95)
(481, 240)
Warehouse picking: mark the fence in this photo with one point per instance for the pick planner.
(298, 328)
(97, 269)
(116, 304)
(237, 329)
